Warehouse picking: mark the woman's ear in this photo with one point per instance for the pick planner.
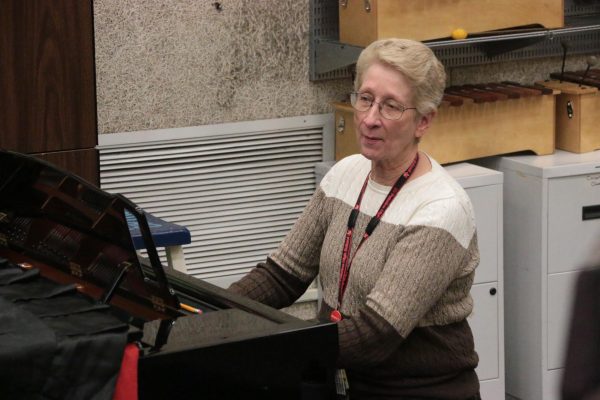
(423, 124)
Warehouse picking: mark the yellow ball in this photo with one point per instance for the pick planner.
(459, 33)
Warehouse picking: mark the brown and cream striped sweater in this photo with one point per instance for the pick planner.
(404, 332)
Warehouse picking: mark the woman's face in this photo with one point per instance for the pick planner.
(384, 141)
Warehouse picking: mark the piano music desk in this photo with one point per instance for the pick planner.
(165, 234)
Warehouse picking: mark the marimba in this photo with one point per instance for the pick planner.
(476, 121)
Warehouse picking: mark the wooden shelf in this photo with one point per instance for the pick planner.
(331, 59)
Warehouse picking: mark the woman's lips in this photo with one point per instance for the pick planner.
(371, 139)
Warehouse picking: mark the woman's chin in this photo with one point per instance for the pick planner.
(370, 148)
(369, 154)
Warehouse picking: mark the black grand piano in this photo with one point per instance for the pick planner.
(74, 292)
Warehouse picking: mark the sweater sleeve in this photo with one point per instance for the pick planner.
(290, 269)
(270, 284)
(365, 339)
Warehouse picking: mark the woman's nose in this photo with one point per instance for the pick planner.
(372, 115)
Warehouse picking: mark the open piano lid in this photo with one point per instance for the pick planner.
(237, 348)
(54, 216)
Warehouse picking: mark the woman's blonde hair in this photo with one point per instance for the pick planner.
(415, 61)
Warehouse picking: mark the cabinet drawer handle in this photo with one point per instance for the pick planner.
(590, 212)
(493, 291)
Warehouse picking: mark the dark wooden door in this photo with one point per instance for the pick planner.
(47, 82)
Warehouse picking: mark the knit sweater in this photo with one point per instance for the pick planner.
(404, 332)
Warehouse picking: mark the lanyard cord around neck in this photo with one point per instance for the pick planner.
(346, 260)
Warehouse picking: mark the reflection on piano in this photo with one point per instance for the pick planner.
(73, 291)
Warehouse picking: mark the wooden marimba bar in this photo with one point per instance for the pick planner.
(490, 92)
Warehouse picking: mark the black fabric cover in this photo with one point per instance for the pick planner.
(54, 342)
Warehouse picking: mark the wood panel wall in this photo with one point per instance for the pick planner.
(47, 82)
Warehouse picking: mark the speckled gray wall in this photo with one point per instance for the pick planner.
(175, 63)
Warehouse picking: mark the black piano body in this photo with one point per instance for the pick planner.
(75, 234)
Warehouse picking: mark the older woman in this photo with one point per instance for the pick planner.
(392, 237)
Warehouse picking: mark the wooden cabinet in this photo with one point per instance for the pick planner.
(363, 22)
(48, 98)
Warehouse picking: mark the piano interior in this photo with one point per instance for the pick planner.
(69, 272)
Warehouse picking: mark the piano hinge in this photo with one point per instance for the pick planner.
(75, 269)
(158, 303)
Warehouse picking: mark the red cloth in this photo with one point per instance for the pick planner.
(127, 386)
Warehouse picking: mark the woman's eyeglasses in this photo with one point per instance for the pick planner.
(389, 109)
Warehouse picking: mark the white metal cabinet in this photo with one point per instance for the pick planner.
(484, 187)
(551, 231)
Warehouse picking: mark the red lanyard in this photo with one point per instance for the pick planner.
(336, 315)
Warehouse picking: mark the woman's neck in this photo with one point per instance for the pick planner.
(387, 175)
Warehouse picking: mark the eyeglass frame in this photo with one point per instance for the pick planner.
(379, 104)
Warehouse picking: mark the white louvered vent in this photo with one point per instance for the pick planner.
(237, 187)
